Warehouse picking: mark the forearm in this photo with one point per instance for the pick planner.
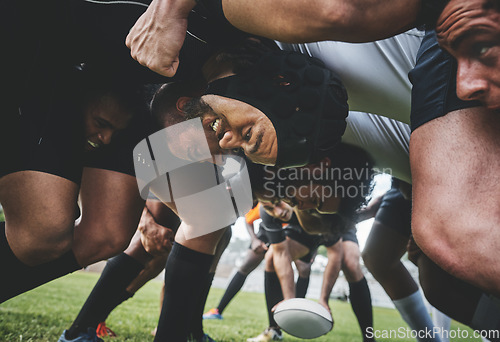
(329, 280)
(300, 21)
(250, 231)
(146, 220)
(331, 272)
(283, 267)
(171, 8)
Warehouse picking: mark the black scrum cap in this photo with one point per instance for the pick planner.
(305, 101)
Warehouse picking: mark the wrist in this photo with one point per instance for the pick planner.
(174, 8)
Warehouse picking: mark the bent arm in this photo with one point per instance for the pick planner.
(300, 21)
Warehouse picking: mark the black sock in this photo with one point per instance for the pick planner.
(274, 295)
(361, 303)
(196, 329)
(232, 289)
(107, 293)
(184, 274)
(301, 287)
(22, 277)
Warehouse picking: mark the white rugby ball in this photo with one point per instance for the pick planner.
(303, 318)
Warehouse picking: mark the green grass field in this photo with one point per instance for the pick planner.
(42, 314)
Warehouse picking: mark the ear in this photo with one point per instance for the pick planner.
(318, 168)
(181, 102)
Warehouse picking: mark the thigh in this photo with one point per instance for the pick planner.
(39, 210)
(297, 250)
(111, 210)
(395, 212)
(456, 183)
(204, 244)
(350, 261)
(384, 245)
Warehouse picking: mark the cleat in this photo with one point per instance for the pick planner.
(270, 334)
(102, 330)
(212, 314)
(89, 336)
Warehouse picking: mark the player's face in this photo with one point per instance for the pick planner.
(470, 31)
(278, 209)
(188, 143)
(314, 196)
(102, 119)
(237, 125)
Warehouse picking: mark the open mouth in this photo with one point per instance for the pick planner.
(218, 127)
(93, 144)
(215, 125)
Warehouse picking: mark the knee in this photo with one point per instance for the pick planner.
(41, 242)
(351, 268)
(433, 237)
(269, 262)
(378, 264)
(369, 259)
(110, 246)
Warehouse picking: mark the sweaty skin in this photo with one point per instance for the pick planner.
(243, 126)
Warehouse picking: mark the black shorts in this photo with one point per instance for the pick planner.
(48, 130)
(295, 232)
(434, 92)
(261, 235)
(350, 235)
(298, 234)
(395, 212)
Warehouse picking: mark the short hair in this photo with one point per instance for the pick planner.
(165, 98)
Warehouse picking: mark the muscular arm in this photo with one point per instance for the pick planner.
(157, 37)
(282, 261)
(370, 210)
(332, 269)
(157, 227)
(295, 21)
(257, 245)
(299, 21)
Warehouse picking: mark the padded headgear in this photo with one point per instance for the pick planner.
(305, 101)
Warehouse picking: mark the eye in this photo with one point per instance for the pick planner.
(484, 49)
(101, 123)
(248, 135)
(481, 48)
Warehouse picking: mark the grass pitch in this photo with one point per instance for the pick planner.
(42, 314)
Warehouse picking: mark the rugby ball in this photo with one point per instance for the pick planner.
(303, 318)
